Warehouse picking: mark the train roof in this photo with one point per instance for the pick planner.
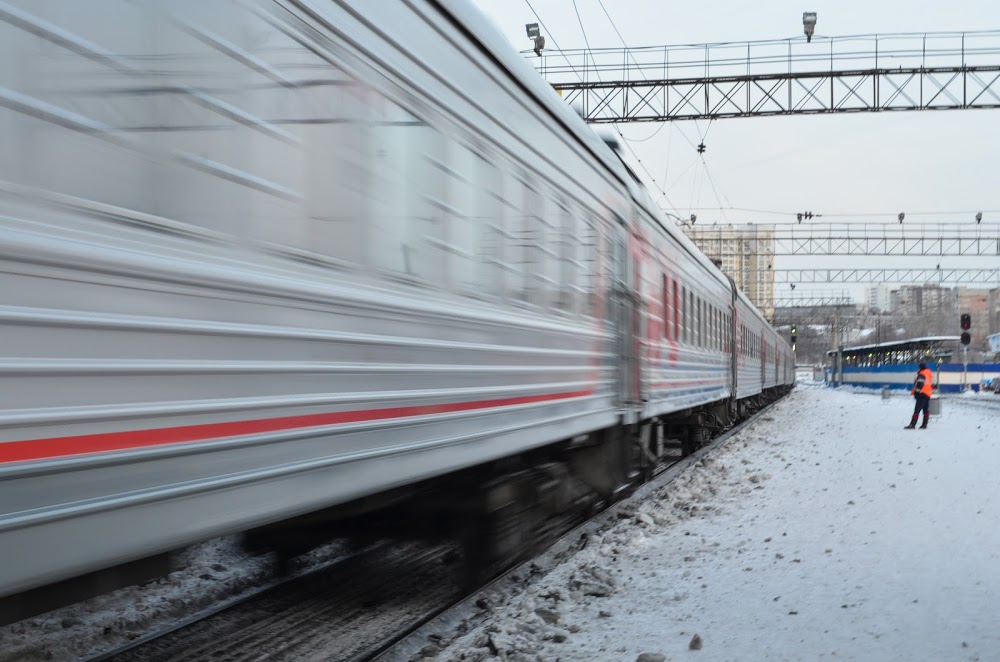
(897, 344)
(483, 30)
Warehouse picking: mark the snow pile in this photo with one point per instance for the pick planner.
(825, 530)
(207, 574)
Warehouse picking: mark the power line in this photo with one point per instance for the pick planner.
(714, 189)
(583, 30)
(625, 141)
(702, 137)
(642, 140)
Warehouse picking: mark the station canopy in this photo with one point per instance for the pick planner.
(938, 349)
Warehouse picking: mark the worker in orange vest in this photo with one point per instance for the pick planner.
(922, 388)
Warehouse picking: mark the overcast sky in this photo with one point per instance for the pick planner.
(864, 163)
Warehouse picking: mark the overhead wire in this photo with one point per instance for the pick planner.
(714, 189)
(702, 136)
(649, 175)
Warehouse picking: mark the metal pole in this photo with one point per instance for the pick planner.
(965, 368)
(840, 363)
(923, 68)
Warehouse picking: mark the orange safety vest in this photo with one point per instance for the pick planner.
(924, 382)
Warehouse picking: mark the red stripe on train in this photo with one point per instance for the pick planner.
(56, 447)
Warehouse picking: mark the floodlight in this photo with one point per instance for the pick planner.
(809, 24)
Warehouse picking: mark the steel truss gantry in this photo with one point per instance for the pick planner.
(913, 239)
(871, 276)
(807, 301)
(866, 73)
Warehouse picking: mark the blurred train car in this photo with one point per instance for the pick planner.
(267, 258)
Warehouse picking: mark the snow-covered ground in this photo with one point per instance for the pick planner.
(824, 531)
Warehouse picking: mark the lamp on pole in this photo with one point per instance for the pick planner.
(809, 24)
(536, 36)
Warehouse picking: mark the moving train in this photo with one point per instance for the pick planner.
(268, 263)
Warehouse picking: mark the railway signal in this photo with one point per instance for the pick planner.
(966, 322)
(794, 332)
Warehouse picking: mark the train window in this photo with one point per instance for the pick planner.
(664, 310)
(518, 253)
(692, 320)
(428, 255)
(684, 309)
(689, 316)
(490, 216)
(611, 256)
(715, 328)
(713, 336)
(546, 221)
(463, 238)
(718, 329)
(697, 321)
(530, 239)
(569, 261)
(677, 313)
(336, 178)
(562, 252)
(711, 326)
(701, 322)
(591, 263)
(407, 218)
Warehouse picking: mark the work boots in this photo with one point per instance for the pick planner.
(911, 426)
(923, 426)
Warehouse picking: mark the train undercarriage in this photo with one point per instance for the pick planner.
(505, 511)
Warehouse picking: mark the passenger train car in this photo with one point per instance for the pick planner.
(263, 259)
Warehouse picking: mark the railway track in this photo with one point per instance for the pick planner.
(337, 611)
(983, 402)
(332, 612)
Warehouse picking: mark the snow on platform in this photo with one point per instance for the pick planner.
(824, 531)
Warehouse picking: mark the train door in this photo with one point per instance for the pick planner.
(733, 341)
(763, 361)
(625, 317)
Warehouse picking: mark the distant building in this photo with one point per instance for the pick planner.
(745, 253)
(925, 309)
(877, 298)
(995, 311)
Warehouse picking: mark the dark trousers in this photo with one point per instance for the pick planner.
(923, 404)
